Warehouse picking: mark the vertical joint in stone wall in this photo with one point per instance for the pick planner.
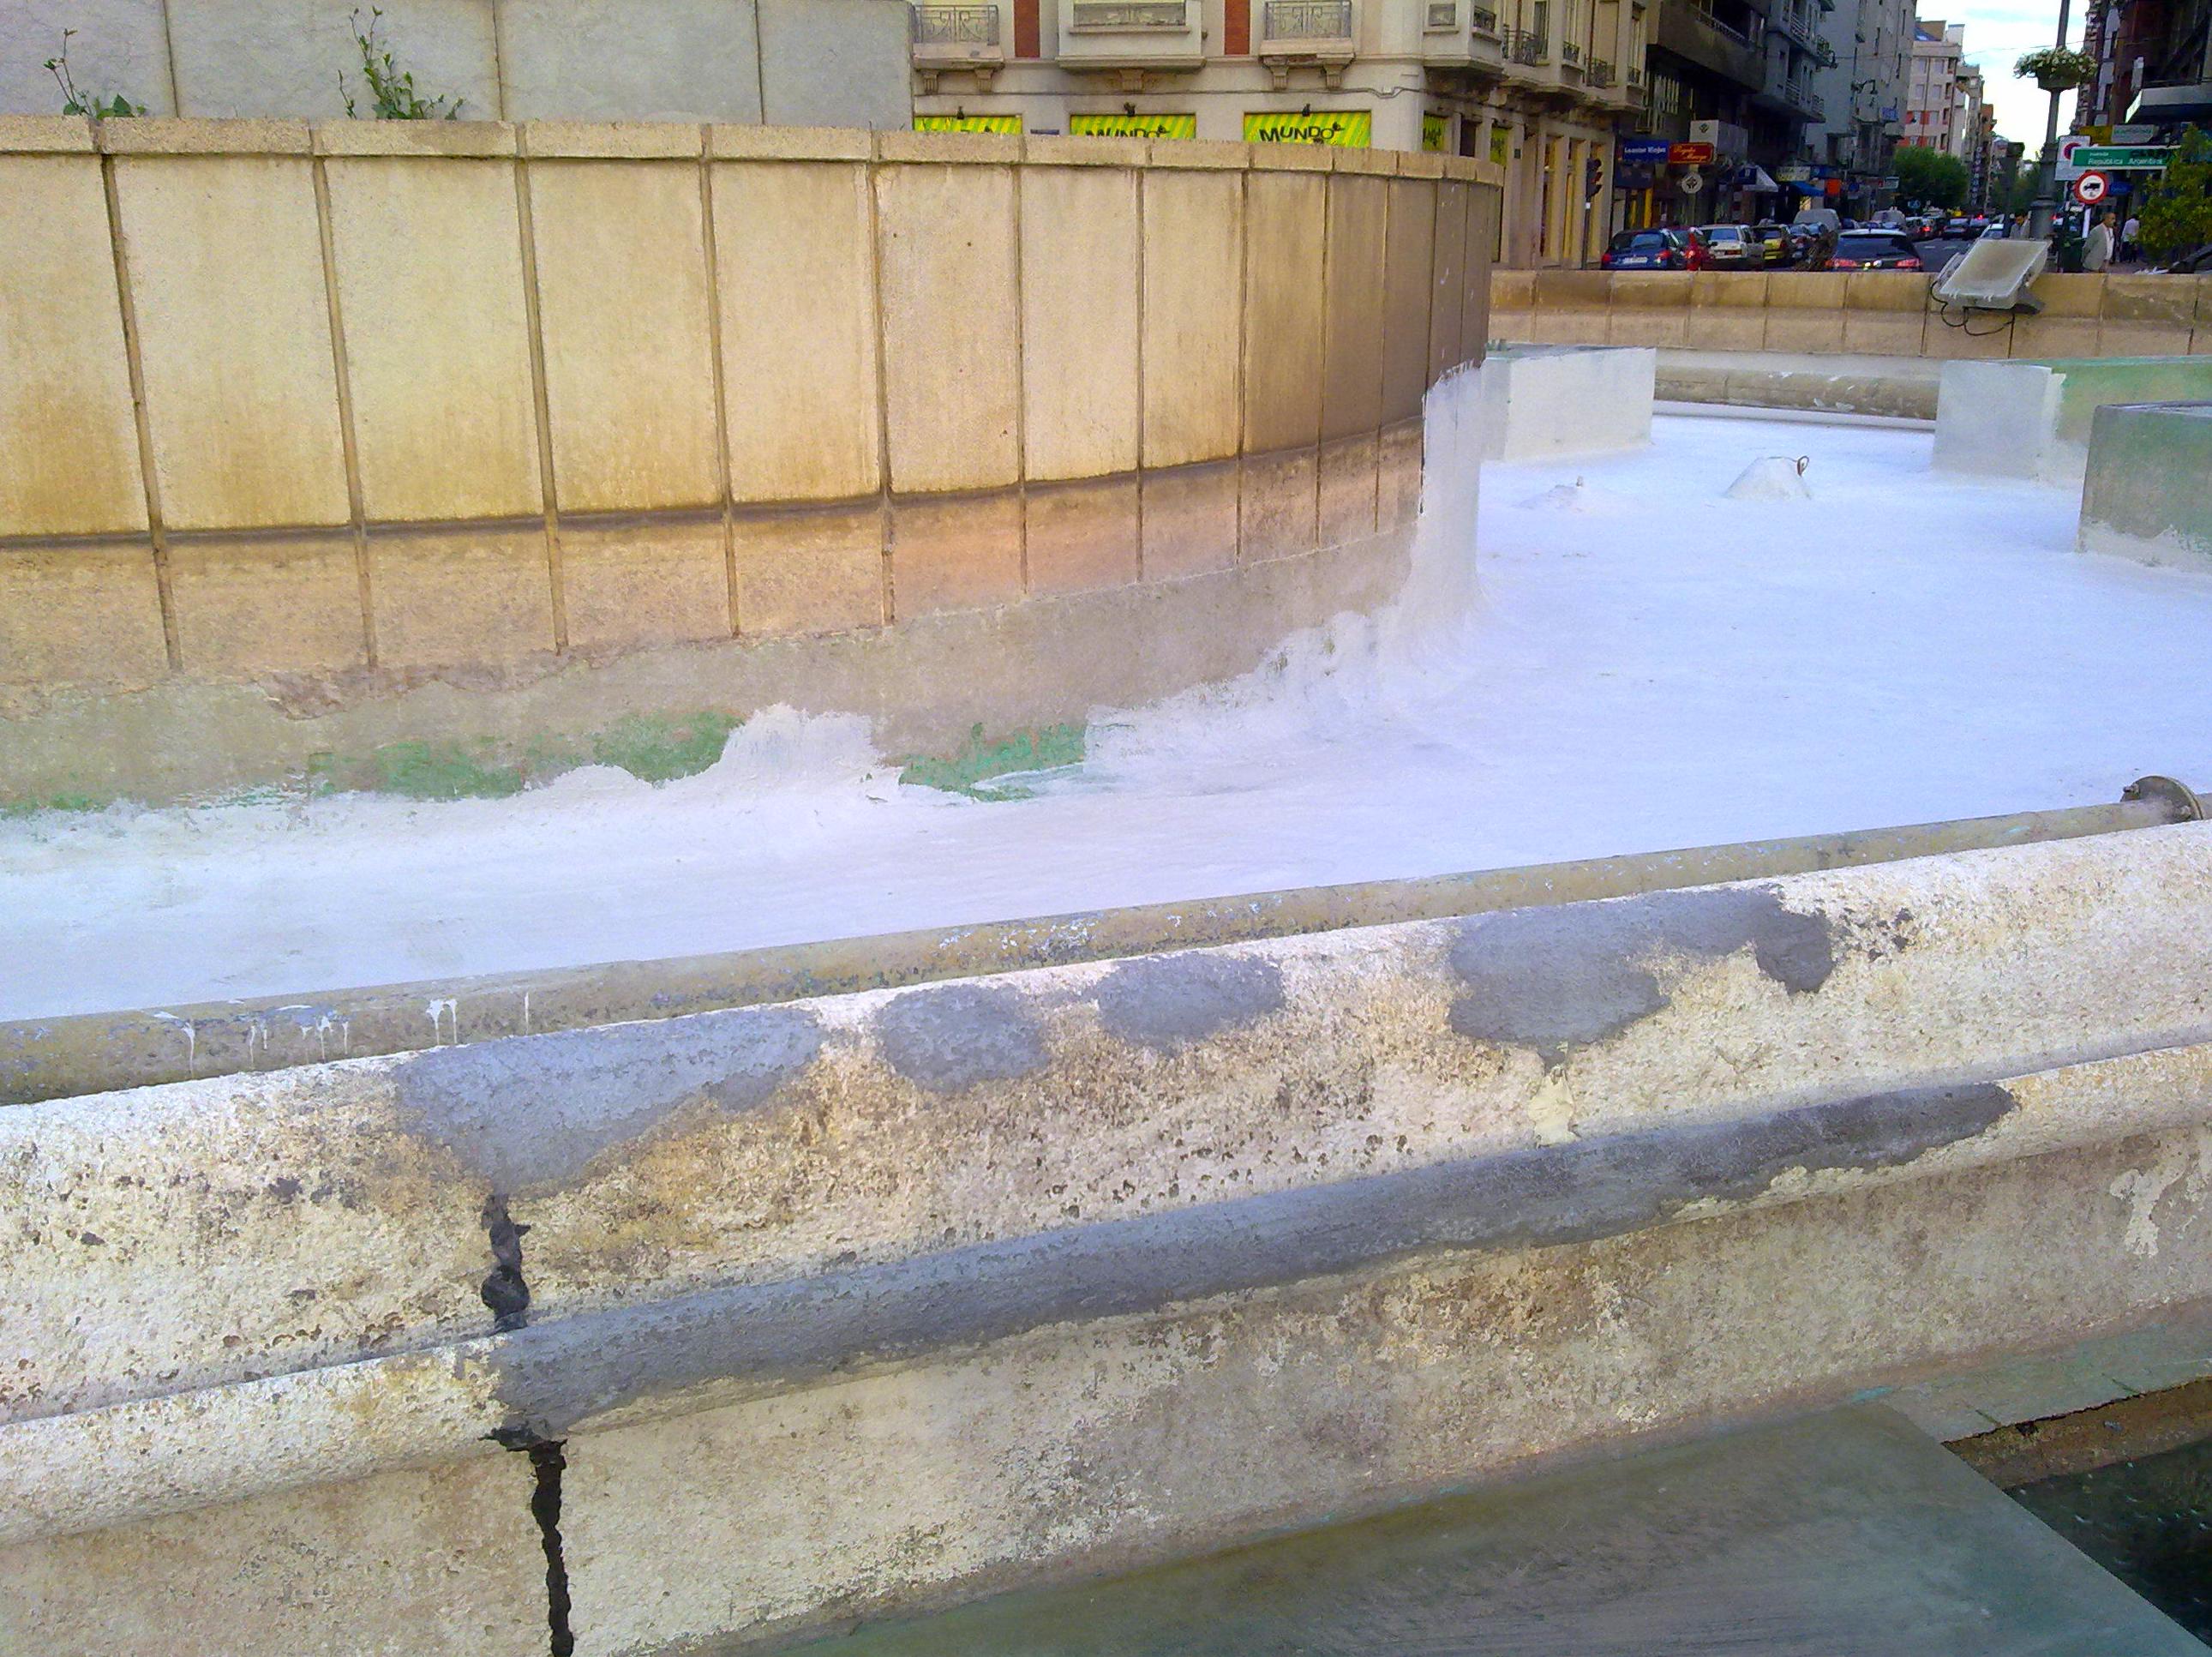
(135, 363)
(723, 479)
(349, 439)
(534, 324)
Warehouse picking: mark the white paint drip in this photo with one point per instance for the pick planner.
(438, 1012)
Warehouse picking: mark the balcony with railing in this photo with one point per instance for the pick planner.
(958, 37)
(1309, 32)
(1527, 48)
(1598, 73)
(1132, 35)
(1457, 34)
(1571, 54)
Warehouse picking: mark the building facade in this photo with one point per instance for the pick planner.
(1535, 86)
(1931, 97)
(1863, 95)
(2142, 45)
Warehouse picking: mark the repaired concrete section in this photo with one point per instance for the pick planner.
(2146, 495)
(51, 1057)
(1098, 1263)
(851, 1147)
(1849, 1529)
(1539, 402)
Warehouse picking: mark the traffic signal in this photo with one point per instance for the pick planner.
(1593, 180)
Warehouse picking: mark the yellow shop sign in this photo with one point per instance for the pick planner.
(1351, 128)
(1134, 127)
(1432, 133)
(968, 124)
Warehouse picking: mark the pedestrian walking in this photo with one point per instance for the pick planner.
(2097, 245)
(2128, 233)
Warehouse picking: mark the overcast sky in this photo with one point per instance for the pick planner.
(1998, 33)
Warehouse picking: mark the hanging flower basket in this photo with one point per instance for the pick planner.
(2057, 69)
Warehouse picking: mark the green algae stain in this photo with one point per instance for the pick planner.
(54, 802)
(971, 770)
(659, 750)
(445, 770)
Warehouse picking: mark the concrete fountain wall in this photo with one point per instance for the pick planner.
(464, 451)
(760, 1321)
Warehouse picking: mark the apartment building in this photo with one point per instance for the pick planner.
(1863, 97)
(1534, 85)
(1931, 97)
(2162, 48)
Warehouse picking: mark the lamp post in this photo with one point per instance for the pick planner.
(2045, 207)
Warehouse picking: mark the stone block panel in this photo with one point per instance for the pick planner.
(794, 272)
(632, 582)
(595, 60)
(1083, 536)
(442, 1561)
(955, 552)
(1193, 280)
(952, 368)
(429, 270)
(297, 57)
(1080, 280)
(1347, 491)
(1286, 219)
(227, 279)
(123, 44)
(1277, 505)
(816, 572)
(1398, 475)
(227, 588)
(86, 613)
(1408, 262)
(67, 428)
(1190, 520)
(460, 596)
(1447, 308)
(1351, 387)
(1486, 205)
(824, 62)
(625, 317)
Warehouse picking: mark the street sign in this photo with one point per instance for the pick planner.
(1691, 182)
(1645, 152)
(2090, 189)
(2123, 158)
(2069, 168)
(1690, 155)
(2137, 134)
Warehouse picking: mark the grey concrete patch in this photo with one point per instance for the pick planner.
(1556, 979)
(948, 1039)
(782, 1334)
(533, 1111)
(1168, 1002)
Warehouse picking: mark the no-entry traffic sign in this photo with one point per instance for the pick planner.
(2090, 189)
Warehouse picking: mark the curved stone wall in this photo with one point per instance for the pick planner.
(310, 427)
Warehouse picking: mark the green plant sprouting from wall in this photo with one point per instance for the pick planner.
(391, 89)
(74, 101)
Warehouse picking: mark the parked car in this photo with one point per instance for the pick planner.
(1776, 248)
(1997, 231)
(1647, 250)
(1875, 250)
(1732, 247)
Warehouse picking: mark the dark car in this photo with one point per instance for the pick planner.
(1875, 250)
(1647, 250)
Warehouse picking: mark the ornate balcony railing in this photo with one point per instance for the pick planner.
(1570, 52)
(1525, 46)
(1484, 20)
(1597, 72)
(1120, 15)
(1443, 15)
(1307, 20)
(1635, 77)
(956, 25)
(1823, 54)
